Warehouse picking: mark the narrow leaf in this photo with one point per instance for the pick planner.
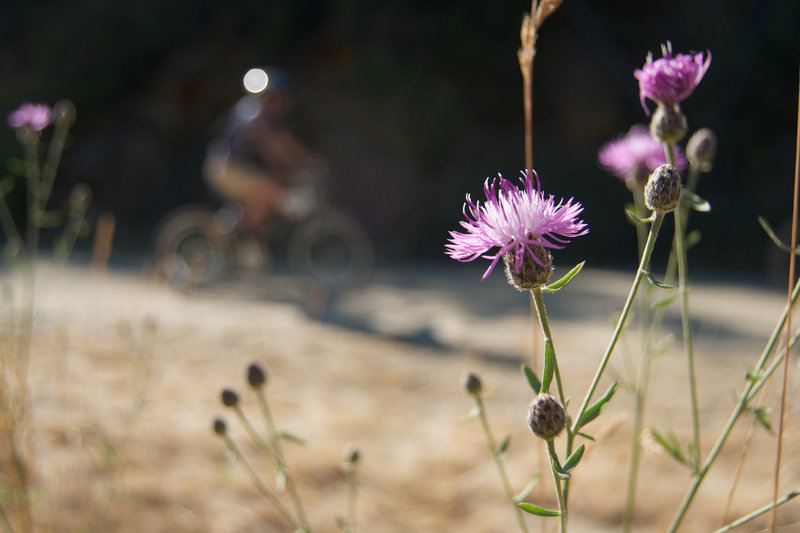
(772, 235)
(653, 281)
(634, 219)
(573, 460)
(564, 281)
(586, 436)
(290, 437)
(533, 381)
(668, 300)
(671, 446)
(529, 488)
(472, 414)
(538, 511)
(692, 238)
(595, 410)
(549, 365)
(693, 201)
(503, 446)
(761, 414)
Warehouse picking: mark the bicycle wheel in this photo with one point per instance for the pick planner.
(332, 249)
(191, 248)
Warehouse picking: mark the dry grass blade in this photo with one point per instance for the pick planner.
(544, 10)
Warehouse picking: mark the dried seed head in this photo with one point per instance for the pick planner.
(230, 398)
(662, 193)
(472, 384)
(256, 375)
(219, 426)
(546, 416)
(532, 273)
(701, 148)
(668, 124)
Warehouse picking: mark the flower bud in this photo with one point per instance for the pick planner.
(533, 273)
(352, 456)
(668, 124)
(662, 193)
(256, 375)
(219, 426)
(230, 398)
(701, 148)
(472, 384)
(546, 416)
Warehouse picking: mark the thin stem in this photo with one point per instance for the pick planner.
(680, 252)
(6, 521)
(758, 512)
(538, 301)
(640, 273)
(750, 388)
(259, 484)
(280, 458)
(261, 443)
(792, 260)
(498, 461)
(562, 502)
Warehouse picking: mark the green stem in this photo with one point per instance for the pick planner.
(280, 459)
(499, 462)
(750, 388)
(562, 502)
(680, 252)
(352, 497)
(758, 512)
(538, 301)
(640, 273)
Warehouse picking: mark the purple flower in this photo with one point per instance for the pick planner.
(514, 220)
(35, 117)
(634, 156)
(670, 80)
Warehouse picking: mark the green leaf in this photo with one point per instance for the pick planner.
(564, 281)
(635, 220)
(503, 446)
(533, 381)
(529, 488)
(692, 201)
(670, 444)
(573, 460)
(653, 281)
(290, 437)
(771, 233)
(692, 238)
(594, 411)
(761, 415)
(538, 511)
(586, 436)
(668, 300)
(549, 365)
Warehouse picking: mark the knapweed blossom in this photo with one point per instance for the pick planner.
(34, 117)
(635, 155)
(514, 221)
(669, 80)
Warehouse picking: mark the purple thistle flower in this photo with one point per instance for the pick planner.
(668, 79)
(635, 155)
(35, 117)
(514, 220)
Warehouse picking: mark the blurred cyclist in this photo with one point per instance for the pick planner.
(255, 158)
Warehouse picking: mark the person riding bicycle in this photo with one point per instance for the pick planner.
(256, 158)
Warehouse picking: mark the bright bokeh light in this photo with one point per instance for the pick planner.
(255, 80)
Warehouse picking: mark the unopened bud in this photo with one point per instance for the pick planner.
(472, 384)
(256, 375)
(662, 193)
(230, 398)
(668, 124)
(219, 426)
(546, 416)
(352, 456)
(701, 148)
(532, 273)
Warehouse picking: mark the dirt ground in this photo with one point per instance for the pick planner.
(125, 376)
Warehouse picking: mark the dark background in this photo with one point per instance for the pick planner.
(414, 103)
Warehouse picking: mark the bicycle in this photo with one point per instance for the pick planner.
(198, 245)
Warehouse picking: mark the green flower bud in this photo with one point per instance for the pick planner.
(662, 193)
(668, 124)
(472, 384)
(701, 149)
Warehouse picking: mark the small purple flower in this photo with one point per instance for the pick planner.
(514, 220)
(668, 79)
(35, 117)
(635, 155)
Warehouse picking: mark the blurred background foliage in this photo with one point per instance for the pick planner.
(414, 103)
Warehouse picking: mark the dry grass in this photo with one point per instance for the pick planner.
(125, 377)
